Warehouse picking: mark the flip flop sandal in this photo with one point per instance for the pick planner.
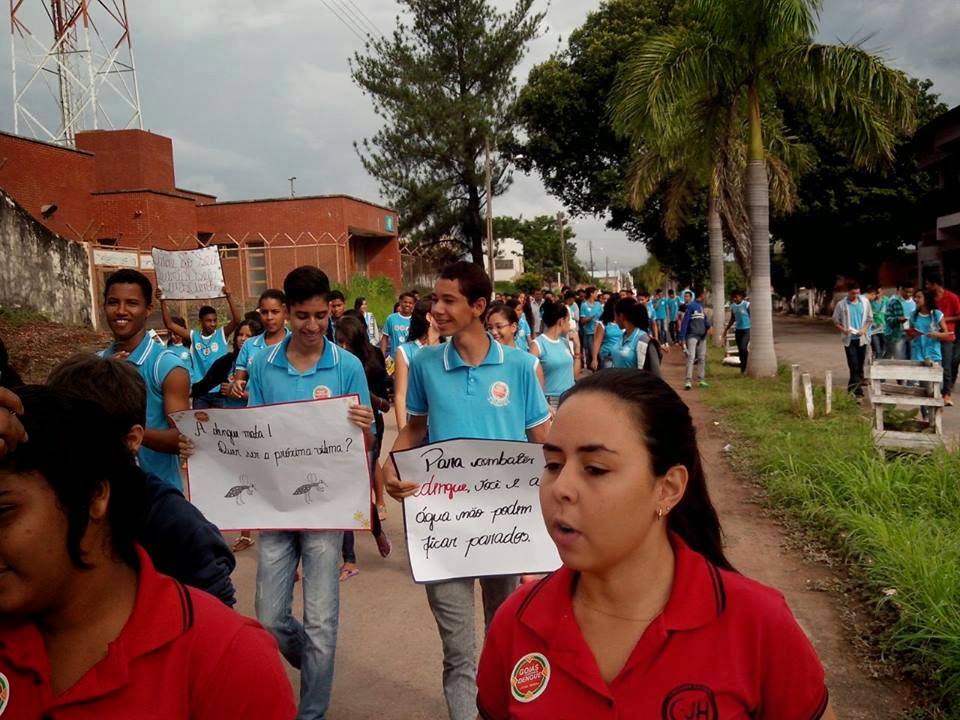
(243, 542)
(346, 574)
(382, 512)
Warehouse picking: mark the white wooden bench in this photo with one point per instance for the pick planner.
(885, 391)
(731, 354)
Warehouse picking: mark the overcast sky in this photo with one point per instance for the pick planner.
(254, 91)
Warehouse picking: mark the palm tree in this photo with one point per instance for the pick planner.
(703, 146)
(757, 50)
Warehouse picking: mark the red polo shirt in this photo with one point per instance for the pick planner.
(723, 647)
(182, 654)
(949, 305)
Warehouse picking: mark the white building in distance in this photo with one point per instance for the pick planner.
(508, 262)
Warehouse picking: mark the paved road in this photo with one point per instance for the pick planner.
(814, 344)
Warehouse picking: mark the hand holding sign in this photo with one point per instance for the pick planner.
(188, 274)
(475, 511)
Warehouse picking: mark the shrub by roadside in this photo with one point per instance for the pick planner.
(896, 521)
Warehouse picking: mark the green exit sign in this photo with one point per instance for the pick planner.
(388, 222)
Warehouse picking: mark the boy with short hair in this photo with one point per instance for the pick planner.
(181, 542)
(673, 312)
(853, 317)
(306, 366)
(397, 326)
(206, 344)
(693, 332)
(127, 306)
(660, 315)
(896, 320)
(740, 321)
(338, 305)
(458, 389)
(590, 311)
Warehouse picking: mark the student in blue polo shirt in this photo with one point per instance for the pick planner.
(740, 321)
(127, 306)
(470, 387)
(306, 366)
(673, 312)
(207, 344)
(273, 316)
(590, 312)
(397, 326)
(555, 353)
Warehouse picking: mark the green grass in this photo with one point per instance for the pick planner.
(897, 521)
(22, 316)
(378, 291)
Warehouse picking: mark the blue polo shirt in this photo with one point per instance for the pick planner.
(741, 315)
(500, 399)
(154, 362)
(591, 311)
(673, 308)
(660, 308)
(396, 328)
(252, 346)
(627, 355)
(274, 380)
(205, 349)
(523, 334)
(557, 361)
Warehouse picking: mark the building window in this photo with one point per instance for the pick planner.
(203, 239)
(228, 252)
(256, 268)
(502, 264)
(107, 242)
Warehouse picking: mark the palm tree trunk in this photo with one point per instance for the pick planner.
(763, 357)
(717, 289)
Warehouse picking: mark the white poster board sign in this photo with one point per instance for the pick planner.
(189, 274)
(292, 466)
(477, 510)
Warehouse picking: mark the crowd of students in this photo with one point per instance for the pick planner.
(910, 324)
(114, 611)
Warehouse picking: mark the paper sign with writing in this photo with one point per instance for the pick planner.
(292, 466)
(189, 274)
(477, 510)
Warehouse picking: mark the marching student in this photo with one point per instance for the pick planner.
(637, 349)
(180, 541)
(524, 332)
(896, 321)
(928, 331)
(470, 387)
(740, 321)
(555, 353)
(631, 624)
(660, 316)
(273, 315)
(506, 329)
(609, 335)
(127, 306)
(423, 333)
(397, 326)
(673, 312)
(219, 378)
(590, 311)
(206, 344)
(853, 317)
(693, 335)
(91, 628)
(373, 330)
(306, 366)
(337, 303)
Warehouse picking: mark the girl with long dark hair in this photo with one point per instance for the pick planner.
(608, 336)
(646, 618)
(555, 353)
(423, 333)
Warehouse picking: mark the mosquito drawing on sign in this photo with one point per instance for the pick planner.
(237, 491)
(313, 485)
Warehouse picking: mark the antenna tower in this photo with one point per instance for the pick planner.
(79, 53)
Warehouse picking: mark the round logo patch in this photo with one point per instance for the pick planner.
(530, 677)
(321, 392)
(4, 692)
(214, 347)
(499, 394)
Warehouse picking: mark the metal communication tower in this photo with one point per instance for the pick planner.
(77, 52)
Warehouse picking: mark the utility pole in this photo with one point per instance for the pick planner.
(606, 272)
(590, 243)
(489, 191)
(291, 179)
(563, 249)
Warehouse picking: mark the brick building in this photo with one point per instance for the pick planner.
(117, 192)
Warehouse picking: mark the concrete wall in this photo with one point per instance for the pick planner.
(41, 270)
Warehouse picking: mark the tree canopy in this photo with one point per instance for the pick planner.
(443, 84)
(540, 238)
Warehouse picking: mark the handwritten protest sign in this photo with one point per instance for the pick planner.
(477, 510)
(189, 274)
(289, 466)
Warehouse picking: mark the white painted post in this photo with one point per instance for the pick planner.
(795, 384)
(808, 395)
(811, 301)
(828, 389)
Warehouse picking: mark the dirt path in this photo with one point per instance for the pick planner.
(757, 545)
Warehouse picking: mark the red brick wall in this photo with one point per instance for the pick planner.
(130, 159)
(37, 174)
(145, 220)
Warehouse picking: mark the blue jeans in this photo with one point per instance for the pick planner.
(587, 347)
(856, 355)
(946, 351)
(895, 349)
(662, 328)
(743, 348)
(210, 400)
(310, 647)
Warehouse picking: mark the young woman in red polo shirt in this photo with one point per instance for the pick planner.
(646, 619)
(89, 630)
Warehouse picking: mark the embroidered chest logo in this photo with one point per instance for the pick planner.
(214, 347)
(4, 692)
(321, 392)
(530, 677)
(690, 702)
(499, 394)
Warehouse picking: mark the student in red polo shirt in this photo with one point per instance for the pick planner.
(646, 619)
(89, 630)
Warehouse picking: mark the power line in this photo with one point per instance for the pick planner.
(345, 23)
(344, 10)
(370, 22)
